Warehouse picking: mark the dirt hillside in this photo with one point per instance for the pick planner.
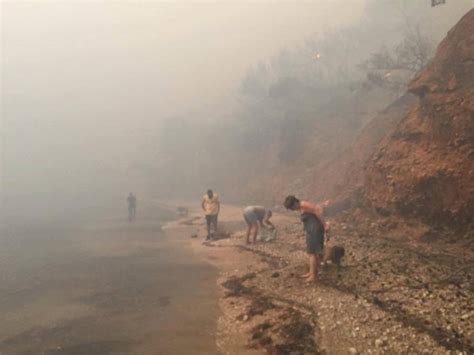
(342, 178)
(360, 118)
(424, 169)
(413, 158)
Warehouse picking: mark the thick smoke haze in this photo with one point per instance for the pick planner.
(86, 85)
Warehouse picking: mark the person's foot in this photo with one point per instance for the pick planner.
(305, 276)
(311, 280)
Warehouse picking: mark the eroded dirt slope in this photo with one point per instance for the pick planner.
(425, 168)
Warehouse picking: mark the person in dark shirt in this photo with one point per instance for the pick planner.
(132, 206)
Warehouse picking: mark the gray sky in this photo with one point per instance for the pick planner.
(171, 55)
(84, 81)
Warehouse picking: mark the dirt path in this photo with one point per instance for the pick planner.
(104, 287)
(387, 299)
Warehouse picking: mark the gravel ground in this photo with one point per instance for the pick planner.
(392, 295)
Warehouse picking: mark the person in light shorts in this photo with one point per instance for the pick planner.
(256, 217)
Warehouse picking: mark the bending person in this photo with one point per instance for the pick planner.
(315, 226)
(255, 217)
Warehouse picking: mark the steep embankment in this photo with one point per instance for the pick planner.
(424, 169)
(341, 179)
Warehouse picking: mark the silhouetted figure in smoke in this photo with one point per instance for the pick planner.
(132, 206)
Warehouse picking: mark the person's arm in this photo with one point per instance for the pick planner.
(218, 206)
(325, 203)
(266, 219)
(272, 226)
(202, 205)
(323, 206)
(327, 226)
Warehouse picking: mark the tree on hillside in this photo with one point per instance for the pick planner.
(392, 69)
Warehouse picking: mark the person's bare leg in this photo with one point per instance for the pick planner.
(249, 228)
(308, 274)
(255, 232)
(313, 268)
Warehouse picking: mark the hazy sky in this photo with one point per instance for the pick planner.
(84, 81)
(170, 55)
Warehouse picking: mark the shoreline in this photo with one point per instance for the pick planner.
(363, 308)
(106, 286)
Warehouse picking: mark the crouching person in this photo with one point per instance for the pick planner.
(256, 217)
(315, 227)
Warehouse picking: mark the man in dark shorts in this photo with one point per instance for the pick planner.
(256, 216)
(315, 228)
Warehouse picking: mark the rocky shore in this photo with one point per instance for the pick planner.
(391, 296)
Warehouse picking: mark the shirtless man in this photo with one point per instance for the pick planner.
(315, 226)
(256, 216)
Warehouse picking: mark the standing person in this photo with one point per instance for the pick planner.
(315, 226)
(256, 216)
(211, 206)
(132, 206)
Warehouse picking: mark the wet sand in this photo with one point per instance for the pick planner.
(104, 287)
